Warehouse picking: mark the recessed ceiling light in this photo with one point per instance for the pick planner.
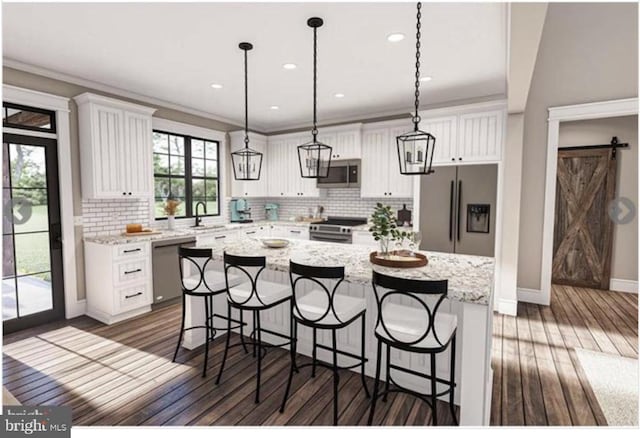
(274, 107)
(338, 95)
(425, 78)
(289, 66)
(395, 37)
(216, 86)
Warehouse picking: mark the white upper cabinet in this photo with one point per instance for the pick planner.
(284, 177)
(444, 129)
(480, 136)
(381, 177)
(138, 172)
(345, 141)
(250, 189)
(466, 135)
(115, 148)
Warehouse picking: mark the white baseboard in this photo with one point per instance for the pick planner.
(508, 307)
(78, 308)
(620, 285)
(533, 296)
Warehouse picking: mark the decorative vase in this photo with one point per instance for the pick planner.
(171, 222)
(384, 246)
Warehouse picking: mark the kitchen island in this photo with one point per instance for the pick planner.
(470, 298)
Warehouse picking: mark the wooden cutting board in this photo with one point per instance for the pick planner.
(142, 233)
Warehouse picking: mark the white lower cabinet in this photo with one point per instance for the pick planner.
(118, 280)
(289, 232)
(217, 237)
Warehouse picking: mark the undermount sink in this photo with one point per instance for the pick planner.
(206, 227)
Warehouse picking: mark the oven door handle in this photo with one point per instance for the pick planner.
(326, 237)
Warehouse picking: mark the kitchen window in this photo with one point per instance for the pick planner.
(185, 168)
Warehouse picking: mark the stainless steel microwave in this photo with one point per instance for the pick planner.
(342, 173)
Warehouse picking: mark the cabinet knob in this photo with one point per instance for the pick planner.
(129, 193)
(453, 159)
(390, 193)
(124, 193)
(385, 193)
(460, 159)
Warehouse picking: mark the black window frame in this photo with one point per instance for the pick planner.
(188, 176)
(9, 105)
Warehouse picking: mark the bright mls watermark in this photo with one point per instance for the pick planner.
(36, 421)
(622, 210)
(17, 210)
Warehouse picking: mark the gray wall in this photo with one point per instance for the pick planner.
(588, 52)
(624, 260)
(31, 81)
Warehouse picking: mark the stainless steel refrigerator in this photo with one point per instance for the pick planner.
(458, 209)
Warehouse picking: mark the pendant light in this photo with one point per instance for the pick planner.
(314, 157)
(247, 163)
(415, 148)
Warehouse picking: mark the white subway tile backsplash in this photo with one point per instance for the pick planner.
(100, 217)
(336, 202)
(111, 216)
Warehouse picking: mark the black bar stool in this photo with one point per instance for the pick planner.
(420, 328)
(255, 296)
(205, 283)
(324, 309)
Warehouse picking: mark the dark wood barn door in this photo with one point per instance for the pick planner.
(583, 231)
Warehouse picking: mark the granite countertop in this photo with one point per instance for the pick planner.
(470, 277)
(165, 234)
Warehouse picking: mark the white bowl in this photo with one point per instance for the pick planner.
(275, 243)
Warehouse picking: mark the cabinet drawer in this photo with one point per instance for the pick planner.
(131, 251)
(133, 297)
(127, 272)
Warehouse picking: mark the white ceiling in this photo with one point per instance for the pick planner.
(174, 52)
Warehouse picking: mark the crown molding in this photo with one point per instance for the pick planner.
(52, 74)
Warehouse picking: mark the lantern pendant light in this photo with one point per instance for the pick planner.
(247, 163)
(314, 156)
(415, 148)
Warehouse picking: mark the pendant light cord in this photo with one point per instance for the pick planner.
(416, 118)
(315, 83)
(246, 102)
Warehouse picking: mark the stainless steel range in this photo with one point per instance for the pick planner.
(335, 229)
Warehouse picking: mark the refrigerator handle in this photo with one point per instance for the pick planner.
(459, 208)
(451, 207)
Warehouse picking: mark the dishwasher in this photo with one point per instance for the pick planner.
(166, 269)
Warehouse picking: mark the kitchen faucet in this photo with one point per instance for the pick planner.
(198, 218)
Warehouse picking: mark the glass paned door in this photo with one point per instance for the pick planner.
(32, 286)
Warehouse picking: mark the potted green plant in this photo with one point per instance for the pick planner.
(384, 228)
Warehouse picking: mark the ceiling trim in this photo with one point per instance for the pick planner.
(52, 74)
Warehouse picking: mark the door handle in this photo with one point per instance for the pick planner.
(55, 236)
(459, 208)
(451, 207)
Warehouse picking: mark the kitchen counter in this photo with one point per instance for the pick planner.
(118, 239)
(470, 277)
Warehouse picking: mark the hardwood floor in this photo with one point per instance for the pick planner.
(537, 378)
(123, 374)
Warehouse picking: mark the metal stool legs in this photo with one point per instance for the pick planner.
(209, 331)
(314, 352)
(363, 357)
(432, 397)
(175, 355)
(388, 375)
(226, 344)
(452, 377)
(376, 383)
(256, 318)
